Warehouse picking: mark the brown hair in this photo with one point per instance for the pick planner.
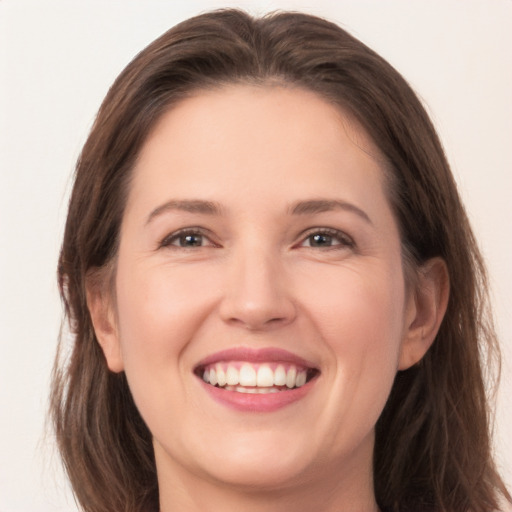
(432, 448)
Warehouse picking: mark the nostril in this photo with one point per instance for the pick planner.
(257, 295)
(263, 323)
(254, 316)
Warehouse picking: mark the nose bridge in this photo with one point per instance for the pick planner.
(256, 294)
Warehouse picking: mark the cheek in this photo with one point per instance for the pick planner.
(159, 310)
(360, 319)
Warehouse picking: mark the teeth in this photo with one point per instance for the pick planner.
(280, 376)
(247, 375)
(265, 377)
(232, 376)
(291, 377)
(265, 391)
(301, 379)
(260, 391)
(254, 379)
(221, 376)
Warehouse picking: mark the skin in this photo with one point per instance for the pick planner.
(256, 279)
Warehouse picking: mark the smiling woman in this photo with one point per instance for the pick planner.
(275, 293)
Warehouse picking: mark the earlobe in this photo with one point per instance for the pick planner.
(426, 309)
(101, 309)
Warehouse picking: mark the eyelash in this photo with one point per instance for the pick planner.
(182, 234)
(344, 240)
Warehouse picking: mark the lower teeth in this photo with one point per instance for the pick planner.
(253, 390)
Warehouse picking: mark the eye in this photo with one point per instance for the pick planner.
(327, 238)
(187, 239)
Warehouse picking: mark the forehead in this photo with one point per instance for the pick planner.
(251, 138)
(241, 102)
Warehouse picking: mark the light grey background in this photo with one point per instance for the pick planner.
(57, 60)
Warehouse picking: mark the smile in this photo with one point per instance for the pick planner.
(246, 377)
(256, 380)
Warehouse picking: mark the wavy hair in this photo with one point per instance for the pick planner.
(432, 448)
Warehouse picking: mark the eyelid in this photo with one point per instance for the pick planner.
(345, 239)
(167, 240)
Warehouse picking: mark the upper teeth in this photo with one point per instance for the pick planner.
(261, 375)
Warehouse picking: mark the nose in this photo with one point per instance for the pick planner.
(257, 296)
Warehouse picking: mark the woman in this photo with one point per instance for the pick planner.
(276, 297)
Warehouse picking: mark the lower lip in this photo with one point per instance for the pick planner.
(249, 402)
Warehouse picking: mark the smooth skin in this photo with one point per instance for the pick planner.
(224, 244)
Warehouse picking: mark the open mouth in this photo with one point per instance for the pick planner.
(256, 378)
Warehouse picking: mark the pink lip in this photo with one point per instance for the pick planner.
(251, 355)
(256, 402)
(247, 402)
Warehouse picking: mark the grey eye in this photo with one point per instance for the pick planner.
(320, 240)
(189, 240)
(186, 239)
(327, 238)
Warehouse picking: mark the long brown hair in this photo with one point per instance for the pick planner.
(432, 448)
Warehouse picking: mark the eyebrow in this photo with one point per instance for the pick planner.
(309, 207)
(188, 205)
(326, 205)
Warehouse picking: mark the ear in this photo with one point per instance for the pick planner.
(427, 303)
(100, 302)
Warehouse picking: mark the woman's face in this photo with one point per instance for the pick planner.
(258, 250)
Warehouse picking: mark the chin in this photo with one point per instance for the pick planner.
(259, 473)
(257, 460)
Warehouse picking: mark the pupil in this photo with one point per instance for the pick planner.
(320, 240)
(191, 240)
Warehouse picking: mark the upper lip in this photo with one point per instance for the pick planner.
(260, 355)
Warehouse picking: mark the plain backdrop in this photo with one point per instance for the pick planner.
(57, 60)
